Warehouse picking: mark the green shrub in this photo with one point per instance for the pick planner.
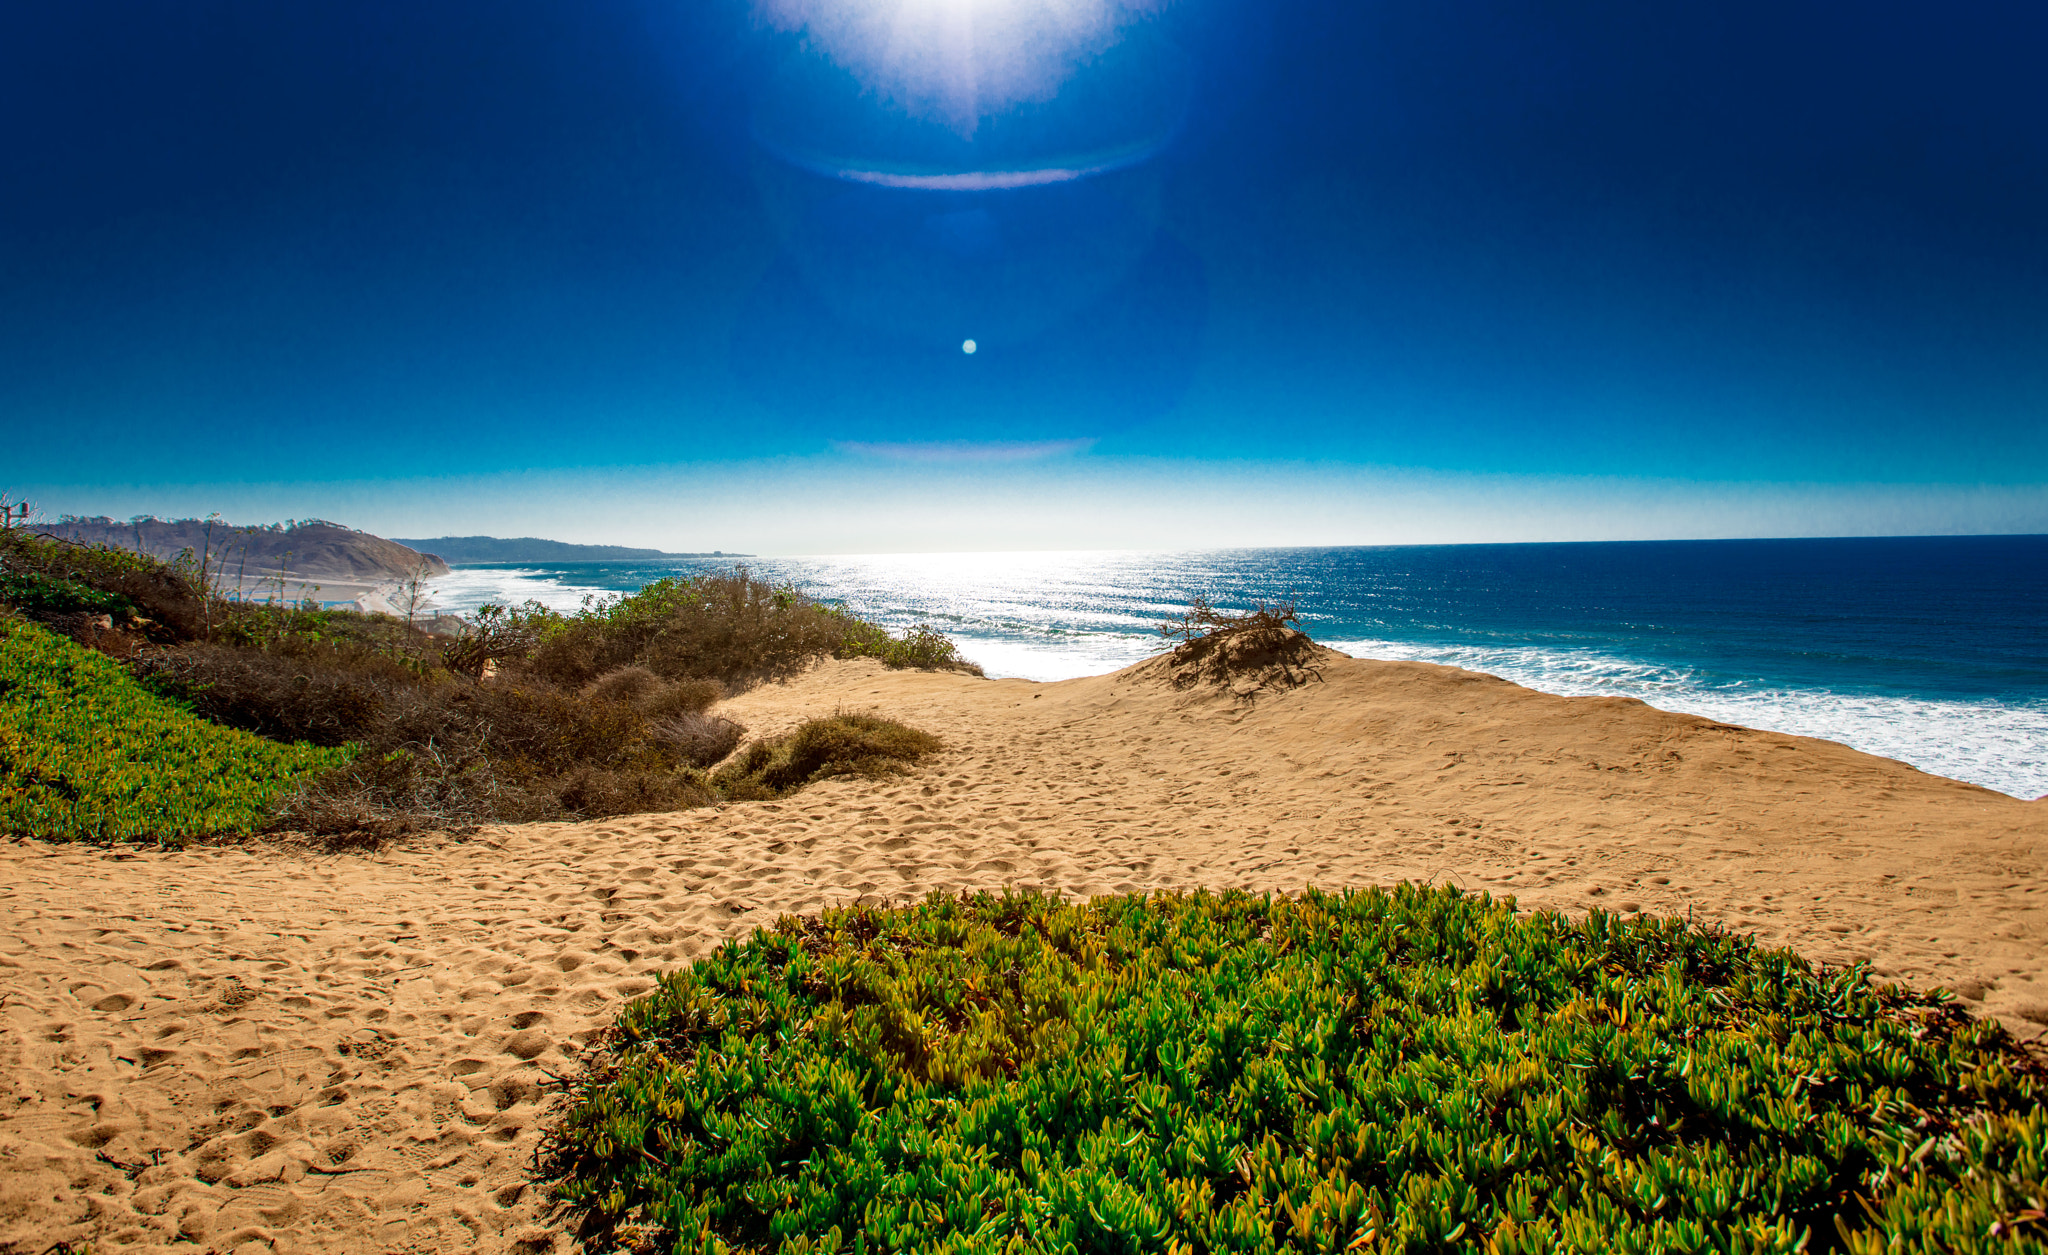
(36, 593)
(923, 646)
(725, 626)
(87, 752)
(1414, 1070)
(838, 745)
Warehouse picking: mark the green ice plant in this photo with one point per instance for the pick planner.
(87, 753)
(1410, 1070)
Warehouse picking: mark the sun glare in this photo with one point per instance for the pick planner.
(958, 61)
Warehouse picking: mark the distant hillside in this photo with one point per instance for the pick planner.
(305, 548)
(534, 549)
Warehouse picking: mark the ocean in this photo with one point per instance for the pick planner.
(1930, 650)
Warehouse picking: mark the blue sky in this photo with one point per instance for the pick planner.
(700, 275)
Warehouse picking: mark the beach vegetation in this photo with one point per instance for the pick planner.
(837, 745)
(1203, 619)
(520, 714)
(1246, 652)
(1405, 1070)
(57, 582)
(727, 626)
(492, 635)
(88, 753)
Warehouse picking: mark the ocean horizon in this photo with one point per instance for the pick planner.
(1929, 650)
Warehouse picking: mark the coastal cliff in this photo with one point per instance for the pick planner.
(302, 549)
(467, 549)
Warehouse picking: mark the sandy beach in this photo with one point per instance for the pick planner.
(263, 1047)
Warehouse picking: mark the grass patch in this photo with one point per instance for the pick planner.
(1414, 1070)
(838, 745)
(87, 752)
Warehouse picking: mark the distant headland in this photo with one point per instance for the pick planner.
(469, 549)
(238, 554)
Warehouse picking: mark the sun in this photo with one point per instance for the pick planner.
(958, 61)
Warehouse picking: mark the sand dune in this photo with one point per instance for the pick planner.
(261, 1048)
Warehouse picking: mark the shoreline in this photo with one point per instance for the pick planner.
(263, 1043)
(1907, 692)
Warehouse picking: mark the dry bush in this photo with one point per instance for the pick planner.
(102, 633)
(283, 698)
(1201, 620)
(378, 704)
(1258, 649)
(594, 793)
(839, 745)
(574, 653)
(436, 752)
(493, 634)
(684, 697)
(629, 684)
(698, 739)
(548, 731)
(381, 796)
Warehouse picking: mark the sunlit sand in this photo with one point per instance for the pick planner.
(351, 1052)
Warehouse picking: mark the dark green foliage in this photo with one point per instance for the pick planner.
(839, 745)
(340, 637)
(1416, 1070)
(37, 594)
(86, 752)
(923, 647)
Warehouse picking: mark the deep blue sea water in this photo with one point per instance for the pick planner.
(1932, 650)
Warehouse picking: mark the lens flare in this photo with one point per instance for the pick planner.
(958, 61)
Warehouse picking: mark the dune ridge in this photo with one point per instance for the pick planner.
(263, 1047)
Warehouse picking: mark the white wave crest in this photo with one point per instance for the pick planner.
(464, 589)
(1998, 745)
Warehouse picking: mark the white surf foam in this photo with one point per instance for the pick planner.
(2002, 747)
(464, 589)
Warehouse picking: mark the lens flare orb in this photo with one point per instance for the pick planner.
(958, 61)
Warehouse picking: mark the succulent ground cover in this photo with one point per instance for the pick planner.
(87, 752)
(1405, 1070)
